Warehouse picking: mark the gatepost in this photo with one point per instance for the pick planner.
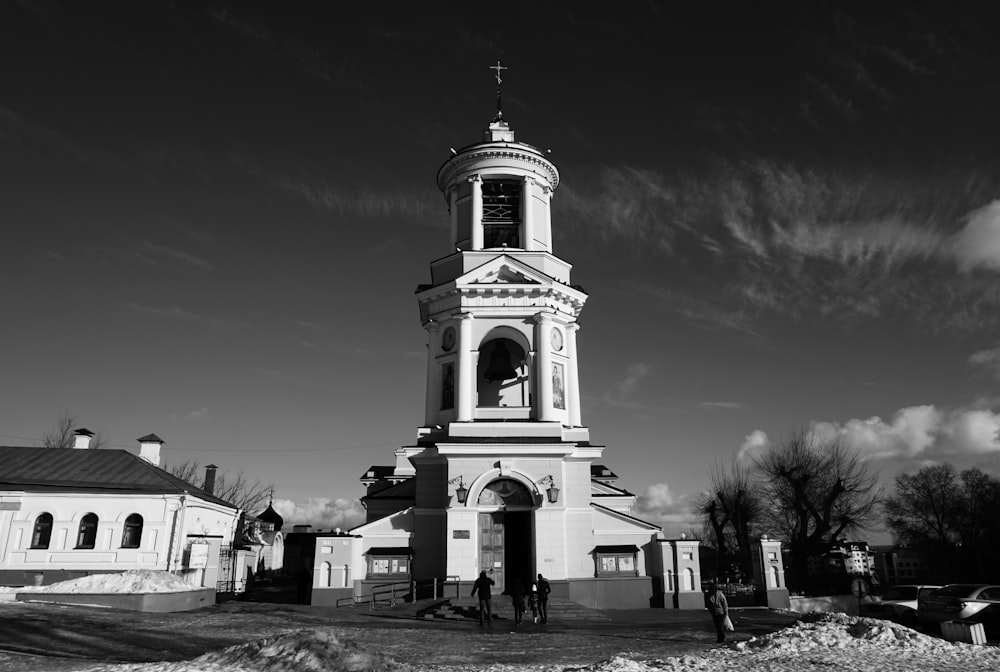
(769, 572)
(681, 573)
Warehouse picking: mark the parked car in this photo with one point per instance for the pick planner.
(975, 602)
(898, 603)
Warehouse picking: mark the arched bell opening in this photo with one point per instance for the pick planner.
(502, 379)
(506, 532)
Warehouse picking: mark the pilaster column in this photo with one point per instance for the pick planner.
(466, 370)
(543, 350)
(477, 212)
(527, 213)
(453, 211)
(547, 192)
(573, 384)
(433, 400)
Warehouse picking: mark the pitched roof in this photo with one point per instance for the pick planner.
(93, 470)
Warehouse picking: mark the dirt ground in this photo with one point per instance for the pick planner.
(55, 638)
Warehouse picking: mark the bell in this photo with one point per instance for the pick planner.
(499, 368)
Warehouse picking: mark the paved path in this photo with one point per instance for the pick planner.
(53, 638)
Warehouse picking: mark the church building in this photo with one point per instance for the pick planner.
(503, 477)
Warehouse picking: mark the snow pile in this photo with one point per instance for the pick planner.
(303, 651)
(131, 581)
(820, 642)
(836, 630)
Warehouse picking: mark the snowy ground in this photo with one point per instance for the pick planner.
(131, 581)
(819, 642)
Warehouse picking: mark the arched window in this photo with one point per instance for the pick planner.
(43, 531)
(132, 534)
(325, 572)
(689, 578)
(87, 536)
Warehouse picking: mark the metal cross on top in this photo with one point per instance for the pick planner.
(498, 68)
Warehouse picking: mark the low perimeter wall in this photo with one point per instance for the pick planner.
(846, 604)
(156, 602)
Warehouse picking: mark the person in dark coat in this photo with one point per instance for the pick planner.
(482, 586)
(543, 598)
(516, 591)
(718, 606)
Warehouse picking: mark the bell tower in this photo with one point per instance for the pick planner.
(503, 477)
(500, 311)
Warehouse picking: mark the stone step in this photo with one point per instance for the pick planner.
(467, 608)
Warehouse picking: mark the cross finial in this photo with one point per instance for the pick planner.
(498, 69)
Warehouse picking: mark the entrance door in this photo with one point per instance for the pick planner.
(491, 547)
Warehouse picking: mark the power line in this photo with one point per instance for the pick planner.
(230, 450)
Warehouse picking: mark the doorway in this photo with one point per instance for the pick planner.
(505, 547)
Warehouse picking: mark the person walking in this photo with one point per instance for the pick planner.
(543, 598)
(533, 602)
(718, 607)
(482, 586)
(516, 591)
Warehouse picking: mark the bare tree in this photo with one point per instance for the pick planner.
(63, 435)
(731, 510)
(949, 518)
(236, 488)
(816, 492)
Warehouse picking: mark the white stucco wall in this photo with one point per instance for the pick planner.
(161, 527)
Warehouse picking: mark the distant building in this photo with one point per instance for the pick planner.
(70, 512)
(900, 564)
(851, 558)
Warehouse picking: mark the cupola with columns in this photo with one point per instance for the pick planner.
(500, 311)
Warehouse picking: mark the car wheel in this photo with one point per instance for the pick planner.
(909, 619)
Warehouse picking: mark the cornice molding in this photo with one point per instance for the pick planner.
(446, 175)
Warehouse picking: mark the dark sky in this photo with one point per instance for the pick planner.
(787, 216)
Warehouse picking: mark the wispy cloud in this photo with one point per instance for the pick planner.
(977, 245)
(294, 54)
(347, 200)
(727, 405)
(180, 314)
(770, 237)
(988, 360)
(622, 392)
(199, 414)
(155, 253)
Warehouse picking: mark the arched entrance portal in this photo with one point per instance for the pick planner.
(506, 535)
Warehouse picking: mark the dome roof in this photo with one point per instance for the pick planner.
(269, 515)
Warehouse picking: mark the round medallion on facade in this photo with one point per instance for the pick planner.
(448, 339)
(557, 339)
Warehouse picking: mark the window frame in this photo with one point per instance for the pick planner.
(129, 527)
(86, 538)
(37, 534)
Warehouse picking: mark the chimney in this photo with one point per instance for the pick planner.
(149, 448)
(210, 479)
(82, 441)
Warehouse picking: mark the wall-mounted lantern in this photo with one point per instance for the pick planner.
(552, 492)
(461, 492)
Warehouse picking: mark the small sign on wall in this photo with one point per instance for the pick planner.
(460, 534)
(199, 556)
